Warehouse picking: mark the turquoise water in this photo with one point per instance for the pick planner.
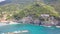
(33, 29)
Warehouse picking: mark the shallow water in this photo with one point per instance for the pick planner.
(33, 29)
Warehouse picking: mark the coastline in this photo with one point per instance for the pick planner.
(10, 23)
(3, 24)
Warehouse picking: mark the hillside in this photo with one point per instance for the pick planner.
(17, 8)
(35, 10)
(53, 3)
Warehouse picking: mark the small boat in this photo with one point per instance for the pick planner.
(20, 31)
(25, 31)
(49, 26)
(58, 26)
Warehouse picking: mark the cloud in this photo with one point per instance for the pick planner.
(2, 0)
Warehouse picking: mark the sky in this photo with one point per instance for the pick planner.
(2, 0)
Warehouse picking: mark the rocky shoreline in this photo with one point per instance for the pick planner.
(50, 22)
(43, 20)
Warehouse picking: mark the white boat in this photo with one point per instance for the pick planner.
(25, 31)
(48, 26)
(20, 31)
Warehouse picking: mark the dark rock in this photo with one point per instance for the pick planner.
(37, 21)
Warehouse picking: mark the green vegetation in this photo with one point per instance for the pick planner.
(36, 10)
(53, 3)
(16, 11)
